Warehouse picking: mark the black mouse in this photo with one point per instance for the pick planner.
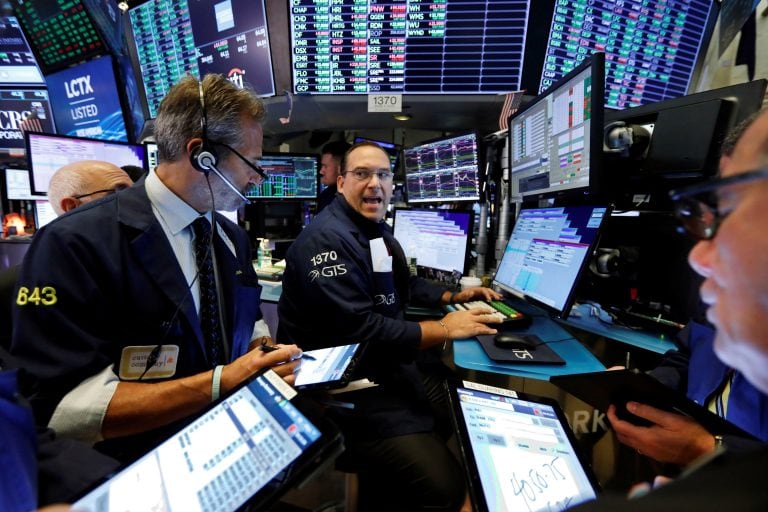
(513, 341)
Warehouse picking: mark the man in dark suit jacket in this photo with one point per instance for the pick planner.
(107, 312)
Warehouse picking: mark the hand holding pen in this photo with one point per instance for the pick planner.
(265, 347)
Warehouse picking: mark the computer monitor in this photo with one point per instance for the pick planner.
(555, 141)
(44, 213)
(169, 39)
(654, 148)
(151, 155)
(17, 187)
(18, 66)
(16, 104)
(443, 47)
(446, 169)
(291, 176)
(62, 32)
(547, 251)
(47, 153)
(86, 101)
(438, 239)
(652, 49)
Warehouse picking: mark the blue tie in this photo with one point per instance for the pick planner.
(209, 300)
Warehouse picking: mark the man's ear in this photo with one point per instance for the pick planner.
(340, 183)
(70, 203)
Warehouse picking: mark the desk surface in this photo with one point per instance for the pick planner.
(469, 354)
(582, 318)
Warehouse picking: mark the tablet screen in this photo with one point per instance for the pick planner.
(520, 451)
(219, 461)
(327, 365)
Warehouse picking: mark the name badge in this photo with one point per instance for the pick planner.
(133, 362)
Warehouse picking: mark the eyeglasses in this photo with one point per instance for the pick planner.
(696, 207)
(106, 191)
(365, 174)
(261, 172)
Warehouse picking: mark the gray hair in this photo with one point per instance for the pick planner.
(179, 117)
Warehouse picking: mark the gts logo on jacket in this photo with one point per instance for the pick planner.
(329, 271)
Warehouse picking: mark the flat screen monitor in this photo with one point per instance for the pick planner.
(651, 48)
(15, 106)
(151, 155)
(17, 187)
(556, 141)
(44, 213)
(392, 149)
(442, 170)
(86, 101)
(291, 176)
(47, 153)
(172, 37)
(18, 66)
(438, 239)
(134, 108)
(452, 46)
(61, 32)
(547, 251)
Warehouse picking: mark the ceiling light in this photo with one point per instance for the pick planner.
(402, 116)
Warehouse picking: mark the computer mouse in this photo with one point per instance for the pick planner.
(513, 341)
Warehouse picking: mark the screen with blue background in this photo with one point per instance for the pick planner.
(86, 102)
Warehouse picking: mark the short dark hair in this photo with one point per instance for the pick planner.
(353, 147)
(337, 148)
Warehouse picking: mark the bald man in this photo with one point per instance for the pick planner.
(81, 182)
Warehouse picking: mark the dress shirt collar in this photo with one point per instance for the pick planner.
(172, 210)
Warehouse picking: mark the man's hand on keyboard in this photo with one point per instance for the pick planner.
(477, 293)
(465, 324)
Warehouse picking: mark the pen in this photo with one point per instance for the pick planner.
(271, 348)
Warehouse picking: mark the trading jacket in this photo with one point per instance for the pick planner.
(333, 294)
(104, 277)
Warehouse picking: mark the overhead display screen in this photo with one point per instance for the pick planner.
(61, 30)
(15, 106)
(174, 37)
(410, 46)
(86, 102)
(17, 63)
(651, 46)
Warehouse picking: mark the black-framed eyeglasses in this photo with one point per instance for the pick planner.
(696, 207)
(106, 191)
(261, 172)
(366, 175)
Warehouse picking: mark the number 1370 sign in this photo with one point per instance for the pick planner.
(385, 103)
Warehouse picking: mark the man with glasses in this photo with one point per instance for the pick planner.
(136, 311)
(727, 215)
(81, 182)
(347, 280)
(696, 371)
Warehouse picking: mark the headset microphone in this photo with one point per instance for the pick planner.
(208, 164)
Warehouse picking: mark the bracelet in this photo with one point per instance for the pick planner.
(216, 383)
(445, 328)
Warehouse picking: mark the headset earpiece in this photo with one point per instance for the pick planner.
(203, 157)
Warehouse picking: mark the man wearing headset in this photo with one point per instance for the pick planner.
(111, 306)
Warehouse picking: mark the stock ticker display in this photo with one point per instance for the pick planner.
(443, 170)
(651, 46)
(410, 46)
(174, 37)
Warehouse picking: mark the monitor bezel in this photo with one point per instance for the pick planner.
(268, 154)
(597, 115)
(480, 161)
(470, 226)
(29, 135)
(563, 313)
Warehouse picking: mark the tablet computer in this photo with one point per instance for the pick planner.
(518, 451)
(601, 389)
(328, 368)
(248, 448)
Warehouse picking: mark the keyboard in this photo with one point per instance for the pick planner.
(506, 313)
